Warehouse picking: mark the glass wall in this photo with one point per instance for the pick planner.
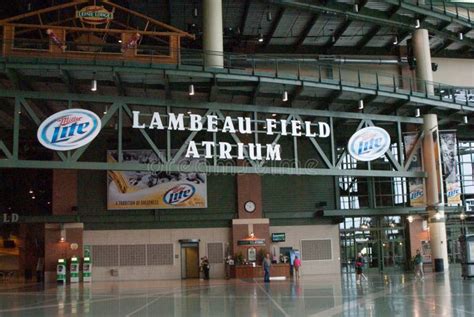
(380, 239)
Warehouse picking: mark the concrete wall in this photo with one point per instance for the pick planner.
(295, 234)
(122, 237)
(454, 71)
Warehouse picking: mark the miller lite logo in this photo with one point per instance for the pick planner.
(69, 129)
(179, 194)
(369, 144)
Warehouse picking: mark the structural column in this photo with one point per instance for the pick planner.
(421, 50)
(434, 193)
(213, 42)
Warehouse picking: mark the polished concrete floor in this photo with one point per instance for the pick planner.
(380, 295)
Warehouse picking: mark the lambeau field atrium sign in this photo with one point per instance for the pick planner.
(242, 125)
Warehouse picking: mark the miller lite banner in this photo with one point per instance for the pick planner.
(155, 189)
(69, 129)
(416, 185)
(449, 156)
(369, 144)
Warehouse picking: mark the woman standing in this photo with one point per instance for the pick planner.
(359, 264)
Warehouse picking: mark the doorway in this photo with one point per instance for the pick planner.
(189, 259)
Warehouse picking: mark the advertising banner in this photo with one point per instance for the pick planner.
(154, 189)
(416, 185)
(450, 167)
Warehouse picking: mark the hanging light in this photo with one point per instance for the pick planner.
(269, 15)
(195, 10)
(465, 119)
(410, 219)
(361, 104)
(260, 37)
(105, 111)
(274, 114)
(417, 112)
(94, 85)
(417, 23)
(333, 39)
(120, 41)
(285, 96)
(437, 215)
(461, 36)
(356, 8)
(462, 216)
(191, 90)
(31, 191)
(395, 40)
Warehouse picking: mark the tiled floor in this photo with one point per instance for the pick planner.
(381, 295)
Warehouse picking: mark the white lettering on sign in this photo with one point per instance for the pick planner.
(227, 124)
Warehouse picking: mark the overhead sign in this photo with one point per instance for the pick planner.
(69, 129)
(227, 124)
(369, 144)
(94, 15)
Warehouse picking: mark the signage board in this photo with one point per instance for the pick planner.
(94, 15)
(69, 129)
(369, 144)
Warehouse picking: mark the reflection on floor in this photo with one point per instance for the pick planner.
(381, 295)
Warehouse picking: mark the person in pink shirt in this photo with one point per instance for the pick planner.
(297, 265)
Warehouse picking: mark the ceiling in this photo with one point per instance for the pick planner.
(303, 27)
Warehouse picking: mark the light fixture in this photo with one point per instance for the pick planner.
(252, 235)
(417, 24)
(195, 10)
(269, 15)
(401, 243)
(333, 39)
(361, 104)
(62, 239)
(437, 215)
(461, 36)
(191, 90)
(285, 96)
(189, 112)
(31, 191)
(94, 84)
(410, 219)
(356, 8)
(105, 111)
(417, 112)
(120, 41)
(260, 37)
(274, 114)
(33, 197)
(392, 224)
(462, 216)
(395, 40)
(465, 119)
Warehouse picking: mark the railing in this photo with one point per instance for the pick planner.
(459, 10)
(292, 68)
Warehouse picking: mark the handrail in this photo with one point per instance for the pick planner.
(451, 9)
(274, 67)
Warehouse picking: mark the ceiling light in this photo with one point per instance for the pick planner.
(356, 8)
(260, 37)
(395, 40)
(189, 112)
(285, 96)
(417, 24)
(94, 85)
(31, 191)
(417, 112)
(120, 41)
(269, 15)
(462, 216)
(361, 104)
(465, 119)
(195, 11)
(274, 114)
(105, 111)
(333, 39)
(437, 215)
(191, 90)
(410, 219)
(461, 36)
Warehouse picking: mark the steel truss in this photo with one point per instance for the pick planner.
(120, 109)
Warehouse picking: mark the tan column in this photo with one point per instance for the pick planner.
(421, 50)
(434, 191)
(212, 38)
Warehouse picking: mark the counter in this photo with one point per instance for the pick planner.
(249, 271)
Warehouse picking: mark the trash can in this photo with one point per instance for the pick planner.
(439, 265)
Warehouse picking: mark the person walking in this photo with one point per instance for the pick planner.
(359, 264)
(228, 263)
(267, 263)
(205, 267)
(297, 265)
(418, 261)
